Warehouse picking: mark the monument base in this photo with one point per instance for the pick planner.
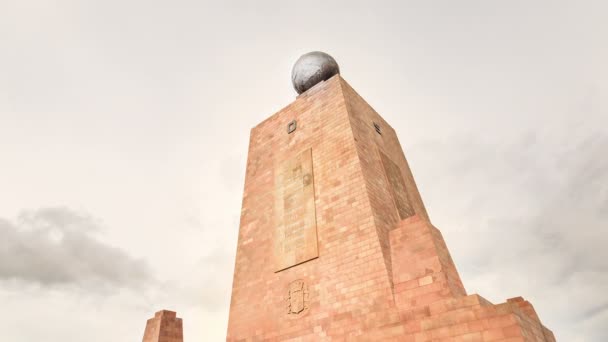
(469, 318)
(432, 303)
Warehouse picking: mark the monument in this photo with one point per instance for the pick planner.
(164, 327)
(335, 242)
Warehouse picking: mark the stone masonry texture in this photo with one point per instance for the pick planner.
(381, 271)
(164, 327)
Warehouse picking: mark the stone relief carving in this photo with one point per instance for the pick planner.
(297, 297)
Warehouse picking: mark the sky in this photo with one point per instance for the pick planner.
(124, 130)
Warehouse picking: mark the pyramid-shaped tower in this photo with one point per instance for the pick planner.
(335, 242)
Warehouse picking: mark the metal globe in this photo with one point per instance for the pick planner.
(312, 68)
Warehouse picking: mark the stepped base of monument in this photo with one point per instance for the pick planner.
(468, 318)
(433, 304)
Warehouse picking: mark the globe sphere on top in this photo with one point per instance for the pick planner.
(312, 68)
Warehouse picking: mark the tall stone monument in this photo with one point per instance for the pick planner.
(164, 327)
(335, 242)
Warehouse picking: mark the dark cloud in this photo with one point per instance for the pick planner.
(57, 247)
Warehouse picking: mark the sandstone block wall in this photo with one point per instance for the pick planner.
(164, 327)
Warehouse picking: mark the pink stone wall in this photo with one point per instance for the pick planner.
(164, 327)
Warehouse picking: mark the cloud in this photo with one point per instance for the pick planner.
(210, 267)
(206, 284)
(527, 215)
(57, 247)
(217, 279)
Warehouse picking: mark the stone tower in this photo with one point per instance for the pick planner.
(335, 241)
(164, 327)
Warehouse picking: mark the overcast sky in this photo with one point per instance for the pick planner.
(124, 128)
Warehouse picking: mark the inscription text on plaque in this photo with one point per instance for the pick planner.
(295, 236)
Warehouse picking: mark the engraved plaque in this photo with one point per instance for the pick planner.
(295, 236)
(297, 297)
(397, 187)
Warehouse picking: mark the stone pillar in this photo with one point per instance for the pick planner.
(164, 327)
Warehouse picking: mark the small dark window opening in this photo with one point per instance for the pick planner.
(377, 127)
(291, 127)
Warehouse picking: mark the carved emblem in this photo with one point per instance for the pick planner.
(297, 297)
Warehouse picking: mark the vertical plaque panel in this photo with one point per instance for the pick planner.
(397, 187)
(295, 236)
